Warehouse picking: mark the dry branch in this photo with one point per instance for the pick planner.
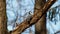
(25, 24)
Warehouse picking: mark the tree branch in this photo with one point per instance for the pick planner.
(24, 25)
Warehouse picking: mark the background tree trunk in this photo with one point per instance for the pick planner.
(40, 27)
(3, 17)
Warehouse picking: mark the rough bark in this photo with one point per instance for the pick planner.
(3, 17)
(40, 26)
(24, 25)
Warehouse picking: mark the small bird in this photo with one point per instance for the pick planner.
(28, 18)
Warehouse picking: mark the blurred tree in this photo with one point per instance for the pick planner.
(53, 17)
(53, 14)
(40, 27)
(3, 17)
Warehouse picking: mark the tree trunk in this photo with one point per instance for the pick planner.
(40, 27)
(3, 17)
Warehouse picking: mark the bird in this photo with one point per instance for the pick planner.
(28, 18)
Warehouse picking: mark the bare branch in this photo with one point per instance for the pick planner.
(24, 25)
